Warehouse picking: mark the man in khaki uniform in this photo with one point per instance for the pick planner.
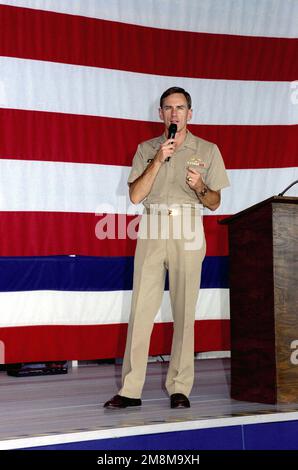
(174, 178)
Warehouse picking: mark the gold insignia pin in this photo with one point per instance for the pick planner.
(195, 162)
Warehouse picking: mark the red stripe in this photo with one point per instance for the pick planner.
(50, 343)
(65, 137)
(56, 37)
(216, 238)
(60, 233)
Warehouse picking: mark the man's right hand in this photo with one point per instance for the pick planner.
(166, 150)
(141, 187)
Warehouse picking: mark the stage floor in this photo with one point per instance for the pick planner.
(47, 406)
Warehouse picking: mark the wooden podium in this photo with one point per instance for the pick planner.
(263, 244)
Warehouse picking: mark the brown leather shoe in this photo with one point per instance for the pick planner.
(118, 401)
(178, 400)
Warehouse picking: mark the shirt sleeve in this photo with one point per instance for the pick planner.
(217, 177)
(137, 166)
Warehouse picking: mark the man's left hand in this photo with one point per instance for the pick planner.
(194, 180)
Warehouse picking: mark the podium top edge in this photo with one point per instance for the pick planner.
(270, 200)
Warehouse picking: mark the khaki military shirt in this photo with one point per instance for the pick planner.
(170, 186)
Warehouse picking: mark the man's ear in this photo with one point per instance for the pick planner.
(189, 115)
(160, 111)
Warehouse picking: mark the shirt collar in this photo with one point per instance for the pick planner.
(189, 142)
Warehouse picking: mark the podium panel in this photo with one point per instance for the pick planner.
(263, 243)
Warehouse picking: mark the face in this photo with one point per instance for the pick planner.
(175, 111)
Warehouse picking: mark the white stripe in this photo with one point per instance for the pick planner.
(74, 187)
(28, 308)
(277, 18)
(248, 187)
(49, 86)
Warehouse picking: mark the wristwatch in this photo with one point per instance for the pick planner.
(203, 193)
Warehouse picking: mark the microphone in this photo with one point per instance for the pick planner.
(285, 190)
(171, 135)
(172, 131)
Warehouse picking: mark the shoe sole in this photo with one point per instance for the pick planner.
(112, 407)
(180, 406)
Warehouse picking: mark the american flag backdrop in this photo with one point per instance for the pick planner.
(80, 82)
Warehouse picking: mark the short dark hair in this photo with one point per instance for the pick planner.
(176, 89)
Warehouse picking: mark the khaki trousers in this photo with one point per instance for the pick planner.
(152, 258)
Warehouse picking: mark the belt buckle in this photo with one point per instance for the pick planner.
(170, 211)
